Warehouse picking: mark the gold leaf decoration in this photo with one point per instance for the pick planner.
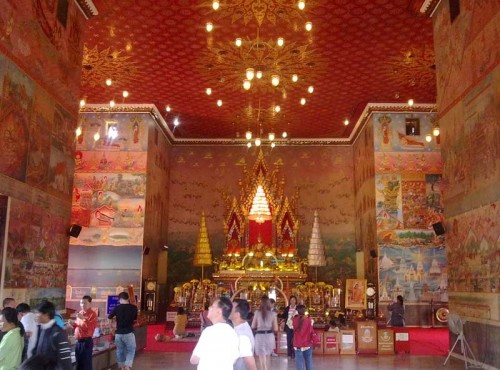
(97, 66)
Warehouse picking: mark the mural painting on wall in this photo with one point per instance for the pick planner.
(39, 154)
(473, 147)
(390, 133)
(132, 133)
(37, 250)
(417, 271)
(409, 199)
(122, 162)
(111, 207)
(48, 46)
(15, 107)
(202, 179)
(388, 202)
(473, 239)
(400, 162)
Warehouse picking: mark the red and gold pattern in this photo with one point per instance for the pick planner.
(361, 40)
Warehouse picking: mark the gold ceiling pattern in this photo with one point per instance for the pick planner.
(224, 64)
(101, 65)
(259, 11)
(413, 68)
(361, 42)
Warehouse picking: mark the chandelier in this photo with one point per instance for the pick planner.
(260, 211)
(260, 62)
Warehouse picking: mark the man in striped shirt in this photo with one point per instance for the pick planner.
(52, 341)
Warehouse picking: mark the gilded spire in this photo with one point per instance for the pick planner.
(316, 256)
(202, 252)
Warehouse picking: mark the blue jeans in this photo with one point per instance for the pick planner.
(125, 349)
(304, 358)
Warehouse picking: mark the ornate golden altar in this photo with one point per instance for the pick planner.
(260, 252)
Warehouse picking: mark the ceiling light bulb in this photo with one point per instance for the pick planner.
(277, 108)
(176, 122)
(435, 131)
(284, 134)
(301, 4)
(247, 85)
(209, 26)
(248, 135)
(257, 141)
(303, 101)
(82, 103)
(215, 5)
(410, 102)
(238, 42)
(97, 136)
(249, 144)
(281, 41)
(275, 80)
(250, 73)
(295, 78)
(346, 122)
(309, 26)
(125, 94)
(109, 82)
(78, 131)
(167, 108)
(273, 145)
(219, 103)
(208, 91)
(310, 89)
(112, 103)
(428, 138)
(258, 74)
(271, 136)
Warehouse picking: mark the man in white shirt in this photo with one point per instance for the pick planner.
(28, 319)
(217, 348)
(239, 317)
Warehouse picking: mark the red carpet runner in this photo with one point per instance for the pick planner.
(172, 346)
(423, 341)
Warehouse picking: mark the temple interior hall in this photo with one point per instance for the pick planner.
(341, 152)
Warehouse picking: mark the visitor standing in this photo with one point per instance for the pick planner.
(238, 316)
(288, 315)
(204, 320)
(52, 341)
(11, 347)
(85, 324)
(265, 324)
(28, 319)
(397, 310)
(126, 315)
(302, 342)
(217, 348)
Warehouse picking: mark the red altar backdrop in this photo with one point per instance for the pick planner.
(265, 230)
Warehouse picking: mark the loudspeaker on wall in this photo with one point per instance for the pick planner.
(438, 228)
(74, 230)
(373, 253)
(146, 251)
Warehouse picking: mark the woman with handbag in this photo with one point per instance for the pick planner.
(303, 332)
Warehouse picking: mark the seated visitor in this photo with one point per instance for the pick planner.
(180, 323)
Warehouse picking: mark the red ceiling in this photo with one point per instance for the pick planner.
(362, 51)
